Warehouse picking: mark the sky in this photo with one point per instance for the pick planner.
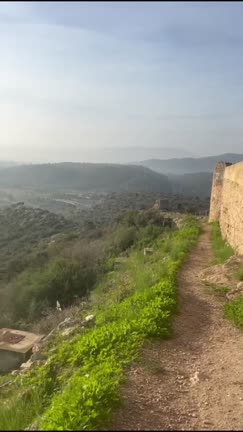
(78, 77)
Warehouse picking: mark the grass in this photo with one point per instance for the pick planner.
(217, 289)
(79, 387)
(221, 249)
(234, 311)
(15, 416)
(239, 274)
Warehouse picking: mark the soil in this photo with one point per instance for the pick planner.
(193, 381)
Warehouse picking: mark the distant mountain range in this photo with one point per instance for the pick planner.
(178, 166)
(6, 164)
(187, 176)
(131, 155)
(84, 177)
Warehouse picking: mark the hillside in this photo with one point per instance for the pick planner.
(196, 184)
(7, 164)
(84, 177)
(94, 348)
(21, 230)
(189, 165)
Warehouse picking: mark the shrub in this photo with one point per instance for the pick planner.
(124, 238)
(34, 291)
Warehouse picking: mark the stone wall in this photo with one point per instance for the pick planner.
(216, 193)
(227, 203)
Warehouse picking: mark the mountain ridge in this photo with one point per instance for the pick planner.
(84, 177)
(190, 165)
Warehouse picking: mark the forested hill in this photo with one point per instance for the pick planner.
(21, 230)
(84, 177)
(190, 165)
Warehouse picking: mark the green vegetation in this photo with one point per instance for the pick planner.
(79, 386)
(234, 311)
(23, 235)
(217, 289)
(221, 250)
(239, 274)
(69, 267)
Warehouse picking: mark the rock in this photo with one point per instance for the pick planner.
(195, 379)
(27, 365)
(66, 323)
(236, 292)
(240, 286)
(36, 348)
(89, 318)
(88, 321)
(37, 356)
(49, 336)
(223, 274)
(68, 331)
(215, 275)
(233, 262)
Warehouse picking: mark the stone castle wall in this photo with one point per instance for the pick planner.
(227, 203)
(217, 187)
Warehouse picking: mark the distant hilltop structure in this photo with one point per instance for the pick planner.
(226, 205)
(161, 204)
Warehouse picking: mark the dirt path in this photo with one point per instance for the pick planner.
(195, 380)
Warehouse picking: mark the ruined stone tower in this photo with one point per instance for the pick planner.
(216, 194)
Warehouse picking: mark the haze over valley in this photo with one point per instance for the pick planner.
(120, 232)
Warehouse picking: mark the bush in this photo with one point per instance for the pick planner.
(35, 291)
(124, 237)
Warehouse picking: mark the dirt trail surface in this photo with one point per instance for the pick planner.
(195, 380)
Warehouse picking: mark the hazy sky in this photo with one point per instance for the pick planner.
(75, 76)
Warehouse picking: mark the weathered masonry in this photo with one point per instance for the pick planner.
(15, 348)
(226, 205)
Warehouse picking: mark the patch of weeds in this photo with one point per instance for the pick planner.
(239, 274)
(218, 290)
(221, 249)
(234, 311)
